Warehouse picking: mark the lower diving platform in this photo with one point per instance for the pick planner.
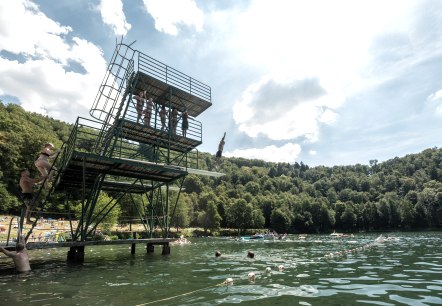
(83, 168)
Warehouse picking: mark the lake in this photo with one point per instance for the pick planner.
(403, 272)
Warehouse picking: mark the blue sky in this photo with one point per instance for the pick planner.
(322, 82)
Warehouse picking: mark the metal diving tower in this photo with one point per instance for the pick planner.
(123, 150)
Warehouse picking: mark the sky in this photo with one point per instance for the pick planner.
(316, 81)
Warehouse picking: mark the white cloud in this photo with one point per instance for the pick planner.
(40, 79)
(435, 102)
(295, 41)
(24, 29)
(287, 153)
(168, 14)
(312, 152)
(435, 96)
(113, 15)
(285, 109)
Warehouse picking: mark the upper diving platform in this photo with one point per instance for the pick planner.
(130, 71)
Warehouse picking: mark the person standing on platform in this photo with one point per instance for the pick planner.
(148, 112)
(219, 153)
(43, 165)
(26, 184)
(185, 122)
(173, 119)
(20, 256)
(139, 105)
(163, 117)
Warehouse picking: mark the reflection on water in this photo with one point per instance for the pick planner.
(408, 271)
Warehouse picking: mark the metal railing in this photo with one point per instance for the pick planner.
(120, 81)
(84, 136)
(173, 77)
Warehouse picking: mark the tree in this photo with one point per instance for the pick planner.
(281, 220)
(240, 215)
(326, 218)
(407, 214)
(210, 218)
(348, 218)
(253, 188)
(181, 216)
(192, 183)
(103, 208)
(258, 220)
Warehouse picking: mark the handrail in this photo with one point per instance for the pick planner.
(9, 231)
(171, 76)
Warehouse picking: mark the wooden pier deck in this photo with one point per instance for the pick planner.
(50, 245)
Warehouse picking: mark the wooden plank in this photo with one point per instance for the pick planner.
(50, 245)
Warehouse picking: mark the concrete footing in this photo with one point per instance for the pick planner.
(166, 249)
(76, 254)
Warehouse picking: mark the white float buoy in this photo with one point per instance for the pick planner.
(229, 281)
(251, 276)
(281, 268)
(268, 269)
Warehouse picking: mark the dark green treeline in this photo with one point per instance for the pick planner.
(401, 193)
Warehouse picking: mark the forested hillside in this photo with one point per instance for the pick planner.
(401, 193)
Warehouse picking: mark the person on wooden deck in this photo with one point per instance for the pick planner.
(148, 112)
(173, 120)
(163, 117)
(140, 104)
(185, 122)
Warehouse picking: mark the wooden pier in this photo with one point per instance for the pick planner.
(76, 248)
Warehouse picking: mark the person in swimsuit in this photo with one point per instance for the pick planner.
(148, 112)
(185, 122)
(20, 256)
(26, 184)
(43, 165)
(220, 151)
(173, 119)
(140, 104)
(163, 117)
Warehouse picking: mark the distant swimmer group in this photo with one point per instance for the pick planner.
(181, 240)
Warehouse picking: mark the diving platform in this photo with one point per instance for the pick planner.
(164, 80)
(85, 167)
(141, 133)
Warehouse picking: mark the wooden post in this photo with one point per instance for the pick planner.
(150, 248)
(80, 254)
(166, 249)
(76, 254)
(132, 249)
(71, 254)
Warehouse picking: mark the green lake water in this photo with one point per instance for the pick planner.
(403, 272)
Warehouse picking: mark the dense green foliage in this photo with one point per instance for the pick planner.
(401, 193)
